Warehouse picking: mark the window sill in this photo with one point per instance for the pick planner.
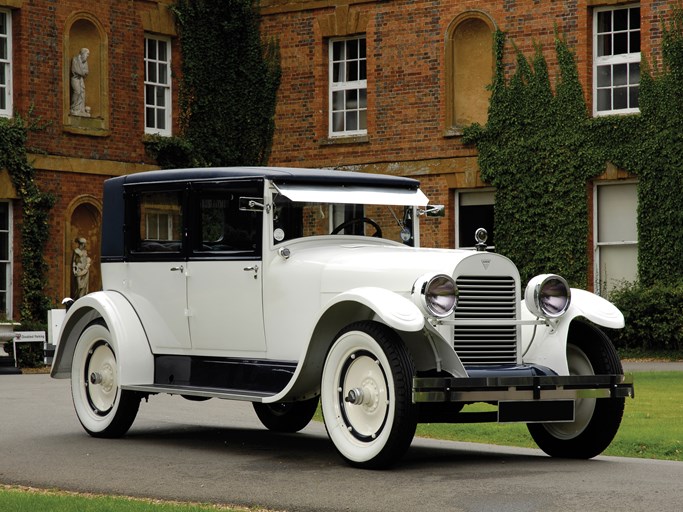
(453, 131)
(353, 139)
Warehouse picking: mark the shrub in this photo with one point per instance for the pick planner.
(653, 315)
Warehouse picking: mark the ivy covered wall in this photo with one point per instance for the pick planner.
(540, 147)
(35, 211)
(228, 87)
(534, 149)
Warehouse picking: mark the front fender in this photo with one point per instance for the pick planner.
(547, 345)
(135, 362)
(363, 303)
(392, 309)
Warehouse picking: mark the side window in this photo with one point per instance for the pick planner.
(6, 258)
(158, 222)
(5, 63)
(157, 85)
(348, 87)
(616, 236)
(616, 60)
(228, 221)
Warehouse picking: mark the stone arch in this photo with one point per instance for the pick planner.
(83, 30)
(83, 220)
(470, 64)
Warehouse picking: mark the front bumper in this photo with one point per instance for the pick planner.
(543, 398)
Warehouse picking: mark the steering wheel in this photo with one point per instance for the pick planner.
(356, 220)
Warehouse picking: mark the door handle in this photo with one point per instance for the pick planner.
(253, 269)
(177, 269)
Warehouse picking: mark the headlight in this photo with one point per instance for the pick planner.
(436, 294)
(547, 295)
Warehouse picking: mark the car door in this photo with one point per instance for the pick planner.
(156, 277)
(224, 283)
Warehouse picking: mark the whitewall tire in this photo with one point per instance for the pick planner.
(102, 407)
(596, 420)
(366, 395)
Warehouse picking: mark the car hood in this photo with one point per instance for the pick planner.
(393, 267)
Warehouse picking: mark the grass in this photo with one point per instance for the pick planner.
(650, 428)
(24, 499)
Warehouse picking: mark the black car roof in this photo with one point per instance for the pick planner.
(276, 174)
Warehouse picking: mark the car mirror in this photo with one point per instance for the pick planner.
(251, 204)
(436, 210)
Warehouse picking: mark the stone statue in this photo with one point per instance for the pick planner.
(79, 70)
(80, 268)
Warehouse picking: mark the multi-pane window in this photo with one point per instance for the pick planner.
(616, 64)
(5, 63)
(348, 87)
(5, 258)
(616, 236)
(160, 221)
(157, 85)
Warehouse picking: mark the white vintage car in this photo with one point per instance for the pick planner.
(290, 287)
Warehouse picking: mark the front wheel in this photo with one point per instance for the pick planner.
(366, 395)
(596, 420)
(286, 416)
(102, 407)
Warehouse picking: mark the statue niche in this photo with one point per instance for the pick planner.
(86, 95)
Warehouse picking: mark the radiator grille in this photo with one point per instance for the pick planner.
(482, 299)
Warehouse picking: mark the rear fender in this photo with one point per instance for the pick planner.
(135, 362)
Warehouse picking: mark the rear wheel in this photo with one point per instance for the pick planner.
(102, 407)
(286, 416)
(366, 395)
(589, 352)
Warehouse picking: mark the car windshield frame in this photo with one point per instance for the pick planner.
(313, 211)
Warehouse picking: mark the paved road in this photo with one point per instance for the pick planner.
(216, 451)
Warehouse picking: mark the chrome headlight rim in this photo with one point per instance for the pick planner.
(436, 294)
(548, 296)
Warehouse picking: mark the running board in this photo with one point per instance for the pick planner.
(205, 392)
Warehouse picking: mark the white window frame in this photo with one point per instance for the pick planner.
(598, 244)
(158, 86)
(6, 63)
(613, 60)
(155, 220)
(8, 263)
(342, 87)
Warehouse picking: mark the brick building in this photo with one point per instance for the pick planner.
(381, 86)
(386, 86)
(128, 93)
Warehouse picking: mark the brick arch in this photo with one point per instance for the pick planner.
(83, 219)
(343, 21)
(470, 64)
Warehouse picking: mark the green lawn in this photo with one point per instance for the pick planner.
(651, 427)
(18, 499)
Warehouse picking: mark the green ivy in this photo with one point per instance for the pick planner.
(656, 156)
(35, 228)
(534, 150)
(539, 148)
(228, 87)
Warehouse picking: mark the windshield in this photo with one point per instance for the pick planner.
(297, 219)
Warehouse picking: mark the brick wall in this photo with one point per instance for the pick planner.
(406, 51)
(78, 163)
(38, 77)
